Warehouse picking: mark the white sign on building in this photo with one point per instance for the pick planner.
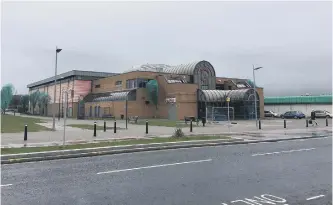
(170, 100)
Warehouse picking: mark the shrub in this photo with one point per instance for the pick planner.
(178, 133)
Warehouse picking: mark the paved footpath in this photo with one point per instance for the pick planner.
(270, 128)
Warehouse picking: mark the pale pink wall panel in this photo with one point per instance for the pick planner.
(81, 88)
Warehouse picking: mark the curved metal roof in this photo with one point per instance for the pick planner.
(235, 95)
(221, 95)
(111, 96)
(118, 96)
(213, 95)
(189, 69)
(183, 69)
(149, 67)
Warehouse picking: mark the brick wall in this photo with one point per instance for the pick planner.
(109, 84)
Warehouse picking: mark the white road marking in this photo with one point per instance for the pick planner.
(3, 185)
(315, 197)
(155, 166)
(288, 151)
(263, 199)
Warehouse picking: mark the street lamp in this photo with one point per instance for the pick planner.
(55, 84)
(255, 94)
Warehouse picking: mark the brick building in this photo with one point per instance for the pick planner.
(163, 91)
(78, 81)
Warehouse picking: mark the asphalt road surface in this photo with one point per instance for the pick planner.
(288, 172)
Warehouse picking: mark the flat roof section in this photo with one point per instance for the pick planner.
(321, 99)
(72, 73)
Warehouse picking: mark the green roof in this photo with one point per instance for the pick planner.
(322, 99)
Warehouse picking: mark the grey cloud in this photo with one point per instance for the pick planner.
(291, 40)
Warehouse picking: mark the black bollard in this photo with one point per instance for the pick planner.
(115, 127)
(284, 123)
(25, 132)
(94, 129)
(191, 127)
(326, 122)
(259, 124)
(147, 127)
(307, 123)
(104, 126)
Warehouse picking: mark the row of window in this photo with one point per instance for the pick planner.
(221, 87)
(137, 83)
(97, 111)
(131, 83)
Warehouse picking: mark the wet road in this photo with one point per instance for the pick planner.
(287, 172)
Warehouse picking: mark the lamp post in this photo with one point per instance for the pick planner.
(55, 84)
(255, 94)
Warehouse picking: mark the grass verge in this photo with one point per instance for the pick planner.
(108, 143)
(14, 124)
(91, 127)
(166, 123)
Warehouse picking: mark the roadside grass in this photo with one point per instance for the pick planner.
(166, 123)
(14, 124)
(108, 143)
(153, 122)
(91, 127)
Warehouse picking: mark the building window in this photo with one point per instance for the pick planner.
(220, 87)
(119, 82)
(142, 82)
(132, 83)
(96, 110)
(240, 85)
(229, 87)
(97, 86)
(204, 87)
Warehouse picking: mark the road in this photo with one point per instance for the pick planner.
(288, 172)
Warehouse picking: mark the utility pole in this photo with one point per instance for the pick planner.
(55, 88)
(255, 94)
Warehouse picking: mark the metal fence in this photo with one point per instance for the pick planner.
(219, 114)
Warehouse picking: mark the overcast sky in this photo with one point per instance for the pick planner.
(291, 40)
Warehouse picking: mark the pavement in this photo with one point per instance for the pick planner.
(297, 172)
(76, 135)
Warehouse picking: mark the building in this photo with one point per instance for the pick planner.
(78, 81)
(304, 104)
(164, 91)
